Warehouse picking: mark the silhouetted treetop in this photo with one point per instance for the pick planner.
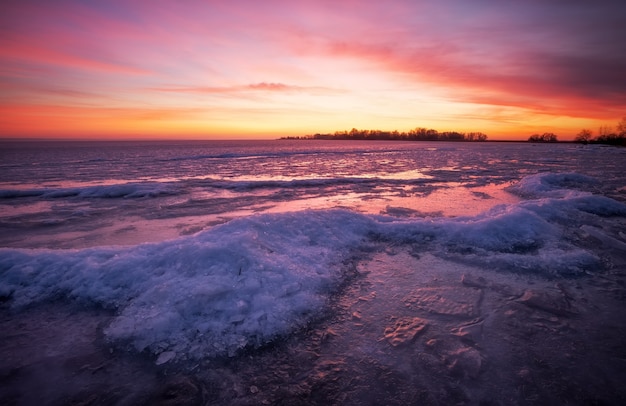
(606, 135)
(417, 134)
(545, 137)
(584, 136)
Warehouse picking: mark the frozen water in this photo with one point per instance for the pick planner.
(202, 250)
(239, 284)
(250, 280)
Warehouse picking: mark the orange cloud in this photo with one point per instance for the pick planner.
(550, 84)
(307, 66)
(253, 87)
(509, 55)
(54, 120)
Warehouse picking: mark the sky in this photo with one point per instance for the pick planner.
(264, 69)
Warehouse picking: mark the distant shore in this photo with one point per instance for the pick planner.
(423, 134)
(418, 134)
(324, 137)
(309, 138)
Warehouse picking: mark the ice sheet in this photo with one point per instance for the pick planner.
(245, 282)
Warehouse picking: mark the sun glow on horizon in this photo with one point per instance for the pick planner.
(196, 70)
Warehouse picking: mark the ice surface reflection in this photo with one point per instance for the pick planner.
(79, 223)
(171, 190)
(432, 285)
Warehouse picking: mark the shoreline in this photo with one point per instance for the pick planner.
(409, 327)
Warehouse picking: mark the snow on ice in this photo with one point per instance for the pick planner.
(243, 283)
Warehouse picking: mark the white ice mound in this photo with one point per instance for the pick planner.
(237, 285)
(552, 185)
(502, 229)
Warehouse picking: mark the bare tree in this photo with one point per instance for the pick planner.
(545, 137)
(584, 136)
(621, 127)
(605, 130)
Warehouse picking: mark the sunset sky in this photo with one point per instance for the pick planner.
(264, 69)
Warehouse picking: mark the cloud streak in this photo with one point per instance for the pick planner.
(529, 63)
(403, 63)
(261, 87)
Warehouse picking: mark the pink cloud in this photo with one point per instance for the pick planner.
(264, 87)
(560, 58)
(517, 57)
(72, 37)
(29, 53)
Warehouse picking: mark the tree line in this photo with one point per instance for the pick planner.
(545, 137)
(417, 134)
(606, 135)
